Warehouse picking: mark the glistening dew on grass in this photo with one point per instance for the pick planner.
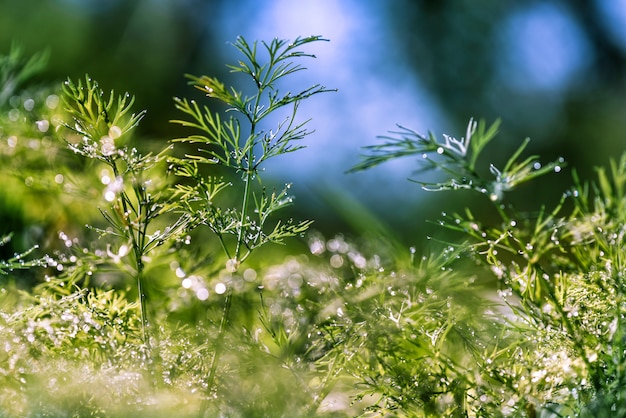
(171, 303)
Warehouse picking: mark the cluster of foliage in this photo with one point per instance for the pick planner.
(139, 314)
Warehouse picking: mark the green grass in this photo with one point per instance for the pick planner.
(171, 301)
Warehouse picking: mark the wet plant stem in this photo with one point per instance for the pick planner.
(229, 294)
(218, 344)
(142, 307)
(139, 242)
(249, 175)
(138, 245)
(326, 385)
(242, 220)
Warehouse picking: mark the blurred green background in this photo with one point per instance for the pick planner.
(552, 70)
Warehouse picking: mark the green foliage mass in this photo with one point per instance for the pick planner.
(170, 302)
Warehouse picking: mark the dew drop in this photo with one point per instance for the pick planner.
(14, 115)
(109, 195)
(52, 101)
(336, 261)
(232, 265)
(115, 132)
(316, 247)
(249, 274)
(440, 150)
(42, 125)
(220, 288)
(105, 177)
(203, 293)
(29, 104)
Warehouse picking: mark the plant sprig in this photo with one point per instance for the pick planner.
(135, 201)
(18, 261)
(101, 122)
(458, 159)
(242, 149)
(560, 273)
(227, 143)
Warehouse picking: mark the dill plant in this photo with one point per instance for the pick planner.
(559, 273)
(242, 143)
(101, 127)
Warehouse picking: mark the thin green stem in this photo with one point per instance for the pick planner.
(138, 246)
(244, 209)
(240, 238)
(326, 386)
(618, 336)
(223, 244)
(249, 175)
(142, 305)
(218, 346)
